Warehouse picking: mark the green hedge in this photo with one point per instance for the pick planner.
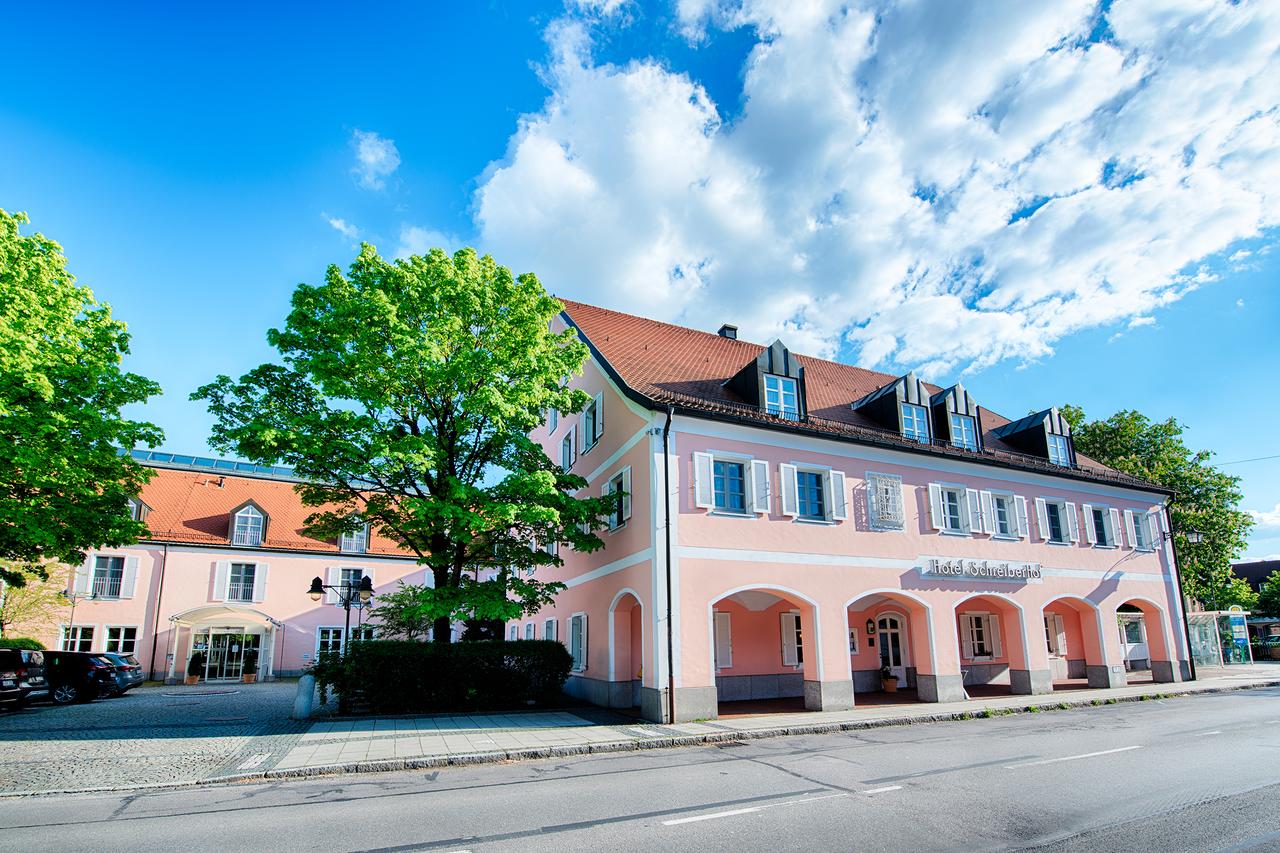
(21, 643)
(405, 676)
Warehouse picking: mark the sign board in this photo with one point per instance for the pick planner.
(1239, 629)
(962, 569)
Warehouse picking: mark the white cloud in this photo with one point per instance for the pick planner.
(1265, 519)
(343, 227)
(376, 158)
(1239, 303)
(942, 185)
(416, 240)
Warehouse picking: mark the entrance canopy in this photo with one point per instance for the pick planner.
(223, 614)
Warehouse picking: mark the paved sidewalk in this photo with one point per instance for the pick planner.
(378, 744)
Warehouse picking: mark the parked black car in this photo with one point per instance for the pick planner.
(27, 667)
(128, 672)
(78, 676)
(10, 693)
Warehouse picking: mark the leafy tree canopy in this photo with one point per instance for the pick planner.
(1205, 499)
(1268, 603)
(64, 486)
(404, 399)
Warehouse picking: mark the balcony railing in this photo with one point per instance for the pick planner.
(106, 586)
(240, 591)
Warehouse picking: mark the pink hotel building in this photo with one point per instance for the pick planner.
(790, 526)
(786, 528)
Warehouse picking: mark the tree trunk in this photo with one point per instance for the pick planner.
(441, 630)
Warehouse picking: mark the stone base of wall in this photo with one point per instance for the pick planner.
(986, 673)
(939, 688)
(1104, 676)
(735, 688)
(828, 695)
(868, 680)
(1162, 672)
(1030, 682)
(606, 694)
(1076, 669)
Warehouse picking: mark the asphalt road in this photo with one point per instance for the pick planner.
(1199, 773)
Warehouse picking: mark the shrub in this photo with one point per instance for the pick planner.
(21, 643)
(405, 676)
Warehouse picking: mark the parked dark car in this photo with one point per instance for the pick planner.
(78, 676)
(28, 669)
(10, 693)
(128, 672)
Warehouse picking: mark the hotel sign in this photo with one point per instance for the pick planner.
(999, 570)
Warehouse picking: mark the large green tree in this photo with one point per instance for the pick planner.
(1205, 500)
(64, 484)
(404, 399)
(1268, 603)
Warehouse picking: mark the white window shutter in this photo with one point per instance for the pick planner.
(1073, 522)
(599, 417)
(626, 493)
(1060, 634)
(1153, 529)
(988, 512)
(935, 505)
(1023, 526)
(334, 577)
(993, 635)
(83, 581)
(583, 620)
(221, 577)
(129, 582)
(702, 494)
(968, 622)
(760, 492)
(1090, 533)
(724, 641)
(839, 498)
(584, 441)
(973, 510)
(1129, 528)
(260, 582)
(790, 496)
(549, 629)
(873, 499)
(790, 656)
(1117, 538)
(1042, 519)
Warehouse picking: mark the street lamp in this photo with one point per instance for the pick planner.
(348, 592)
(73, 596)
(1193, 537)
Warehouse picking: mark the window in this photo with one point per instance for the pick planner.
(964, 432)
(578, 641)
(350, 578)
(884, 501)
(792, 640)
(1056, 528)
(513, 633)
(781, 397)
(1131, 630)
(1100, 520)
(724, 641)
(553, 420)
(137, 509)
(1144, 529)
(1059, 450)
(1058, 522)
(619, 485)
(1002, 520)
(356, 541)
(240, 582)
(328, 640)
(361, 633)
(729, 486)
(1055, 634)
(566, 452)
(121, 640)
(915, 423)
(809, 490)
(981, 635)
(549, 630)
(108, 575)
(589, 428)
(77, 638)
(248, 526)
(528, 631)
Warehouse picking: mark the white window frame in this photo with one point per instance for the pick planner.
(107, 572)
(1110, 526)
(757, 485)
(791, 634)
(553, 419)
(991, 500)
(889, 484)
(619, 482)
(231, 564)
(919, 417)
(1055, 631)
(747, 502)
(106, 638)
(550, 629)
(985, 628)
(513, 633)
(1069, 520)
(972, 442)
(79, 629)
(967, 512)
(832, 487)
(341, 637)
(567, 456)
(722, 639)
(355, 543)
(1144, 529)
(530, 630)
(775, 398)
(580, 659)
(1060, 456)
(249, 511)
(595, 412)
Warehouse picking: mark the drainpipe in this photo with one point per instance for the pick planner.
(155, 631)
(666, 506)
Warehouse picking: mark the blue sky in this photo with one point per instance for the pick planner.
(1048, 209)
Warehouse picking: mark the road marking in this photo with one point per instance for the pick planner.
(681, 820)
(884, 789)
(255, 760)
(1206, 734)
(1072, 757)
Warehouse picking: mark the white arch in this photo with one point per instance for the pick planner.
(928, 620)
(817, 623)
(1170, 649)
(1022, 619)
(1097, 621)
(626, 590)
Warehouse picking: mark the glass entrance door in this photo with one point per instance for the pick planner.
(891, 650)
(226, 655)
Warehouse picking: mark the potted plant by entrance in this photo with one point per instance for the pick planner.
(195, 668)
(888, 681)
(249, 672)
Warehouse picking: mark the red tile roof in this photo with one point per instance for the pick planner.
(194, 507)
(668, 364)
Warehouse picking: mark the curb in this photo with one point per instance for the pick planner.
(631, 745)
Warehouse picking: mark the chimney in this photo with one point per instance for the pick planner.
(728, 331)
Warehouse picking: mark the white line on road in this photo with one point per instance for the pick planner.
(255, 760)
(750, 809)
(884, 789)
(1206, 734)
(1072, 757)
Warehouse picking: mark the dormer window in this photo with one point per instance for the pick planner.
(1059, 451)
(964, 432)
(781, 397)
(355, 542)
(915, 423)
(247, 526)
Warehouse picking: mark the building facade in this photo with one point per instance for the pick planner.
(223, 574)
(791, 527)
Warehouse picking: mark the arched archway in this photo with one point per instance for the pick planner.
(1145, 643)
(626, 649)
(1074, 640)
(891, 629)
(766, 651)
(994, 658)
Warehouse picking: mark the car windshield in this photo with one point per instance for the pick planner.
(131, 660)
